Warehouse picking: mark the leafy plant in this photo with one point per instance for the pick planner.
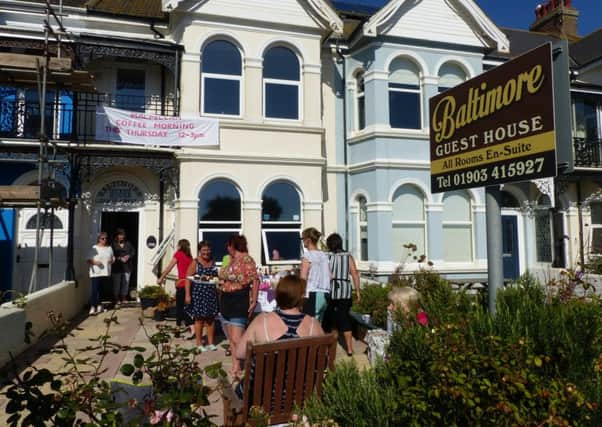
(152, 291)
(374, 301)
(77, 394)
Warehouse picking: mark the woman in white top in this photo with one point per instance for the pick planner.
(99, 261)
(314, 269)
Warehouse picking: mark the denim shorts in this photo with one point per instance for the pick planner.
(241, 322)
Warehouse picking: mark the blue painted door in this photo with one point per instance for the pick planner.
(7, 233)
(510, 247)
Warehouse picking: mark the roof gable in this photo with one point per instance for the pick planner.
(304, 13)
(449, 21)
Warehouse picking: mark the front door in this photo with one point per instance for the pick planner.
(128, 221)
(510, 246)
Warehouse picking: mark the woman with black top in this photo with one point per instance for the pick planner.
(342, 269)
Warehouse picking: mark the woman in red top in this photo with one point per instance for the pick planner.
(182, 258)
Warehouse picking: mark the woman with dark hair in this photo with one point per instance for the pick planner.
(100, 257)
(342, 268)
(182, 258)
(239, 285)
(201, 295)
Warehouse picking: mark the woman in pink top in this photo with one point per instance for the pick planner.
(182, 258)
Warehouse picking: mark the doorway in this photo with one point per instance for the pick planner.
(128, 221)
(510, 247)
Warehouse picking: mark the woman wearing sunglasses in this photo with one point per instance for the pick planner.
(99, 262)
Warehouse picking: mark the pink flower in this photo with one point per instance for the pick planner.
(422, 318)
(159, 416)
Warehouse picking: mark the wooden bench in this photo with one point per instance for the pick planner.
(285, 373)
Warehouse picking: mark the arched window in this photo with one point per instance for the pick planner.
(219, 214)
(362, 228)
(405, 110)
(281, 224)
(543, 229)
(47, 221)
(281, 84)
(408, 222)
(360, 102)
(457, 227)
(450, 75)
(221, 78)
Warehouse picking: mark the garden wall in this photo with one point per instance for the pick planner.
(65, 297)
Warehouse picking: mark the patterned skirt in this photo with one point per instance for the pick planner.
(203, 301)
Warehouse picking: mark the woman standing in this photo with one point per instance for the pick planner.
(100, 258)
(239, 284)
(314, 269)
(342, 266)
(201, 295)
(183, 259)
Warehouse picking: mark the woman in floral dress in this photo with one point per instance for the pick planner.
(239, 285)
(201, 295)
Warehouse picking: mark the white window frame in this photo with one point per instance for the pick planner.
(297, 83)
(361, 225)
(405, 90)
(593, 226)
(266, 249)
(456, 224)
(223, 77)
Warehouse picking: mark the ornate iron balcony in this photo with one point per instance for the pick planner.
(588, 152)
(69, 116)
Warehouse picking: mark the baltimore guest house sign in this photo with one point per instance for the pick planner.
(497, 127)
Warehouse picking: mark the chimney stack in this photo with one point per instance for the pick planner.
(556, 17)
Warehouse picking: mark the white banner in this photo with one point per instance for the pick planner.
(131, 127)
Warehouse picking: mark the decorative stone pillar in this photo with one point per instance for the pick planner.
(312, 214)
(376, 95)
(380, 220)
(190, 83)
(430, 88)
(251, 219)
(252, 110)
(434, 237)
(312, 81)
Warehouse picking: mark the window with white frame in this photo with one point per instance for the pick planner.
(405, 105)
(543, 229)
(221, 78)
(362, 228)
(281, 84)
(360, 102)
(596, 228)
(457, 227)
(219, 214)
(409, 225)
(450, 75)
(281, 224)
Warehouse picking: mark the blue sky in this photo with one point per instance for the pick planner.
(521, 13)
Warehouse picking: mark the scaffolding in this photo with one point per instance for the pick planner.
(41, 70)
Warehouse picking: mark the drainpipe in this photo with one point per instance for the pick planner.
(345, 154)
(580, 216)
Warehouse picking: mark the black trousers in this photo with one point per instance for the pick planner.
(180, 304)
(337, 312)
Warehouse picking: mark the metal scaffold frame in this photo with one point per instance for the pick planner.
(45, 196)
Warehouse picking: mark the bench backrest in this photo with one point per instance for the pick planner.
(283, 373)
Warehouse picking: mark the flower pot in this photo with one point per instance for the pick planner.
(148, 302)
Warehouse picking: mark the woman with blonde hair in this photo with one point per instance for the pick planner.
(316, 271)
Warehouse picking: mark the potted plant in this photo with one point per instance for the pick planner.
(163, 308)
(150, 296)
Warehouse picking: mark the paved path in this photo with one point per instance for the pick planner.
(130, 331)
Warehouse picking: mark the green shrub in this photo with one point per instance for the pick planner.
(538, 361)
(374, 301)
(152, 291)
